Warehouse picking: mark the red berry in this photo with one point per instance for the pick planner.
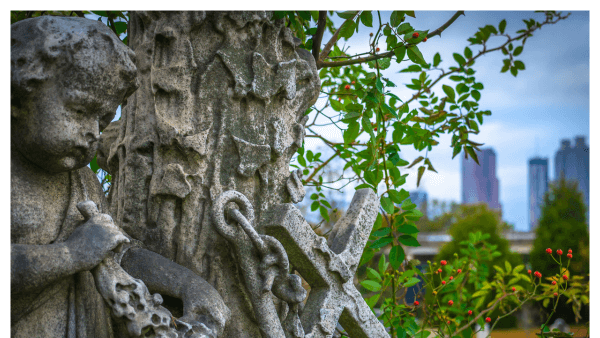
(450, 302)
(443, 282)
(375, 129)
(529, 272)
(353, 82)
(377, 49)
(347, 87)
(451, 278)
(553, 282)
(537, 274)
(559, 252)
(416, 303)
(425, 40)
(570, 251)
(448, 322)
(549, 251)
(440, 270)
(371, 34)
(458, 271)
(569, 256)
(565, 277)
(443, 263)
(415, 35)
(470, 312)
(556, 294)
(339, 99)
(514, 289)
(488, 319)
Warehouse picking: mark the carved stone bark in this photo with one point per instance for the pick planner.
(221, 107)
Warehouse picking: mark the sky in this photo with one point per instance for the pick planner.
(531, 113)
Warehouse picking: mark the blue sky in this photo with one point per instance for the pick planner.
(531, 113)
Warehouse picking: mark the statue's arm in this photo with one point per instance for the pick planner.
(35, 266)
(200, 299)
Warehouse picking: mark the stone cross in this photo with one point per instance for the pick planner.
(329, 266)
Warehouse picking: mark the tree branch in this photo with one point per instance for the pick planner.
(446, 25)
(112, 26)
(318, 37)
(317, 169)
(331, 42)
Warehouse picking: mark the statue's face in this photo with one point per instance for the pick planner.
(58, 128)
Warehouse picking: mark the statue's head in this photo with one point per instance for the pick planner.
(68, 76)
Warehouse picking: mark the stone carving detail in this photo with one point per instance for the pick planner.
(329, 267)
(69, 269)
(295, 187)
(221, 106)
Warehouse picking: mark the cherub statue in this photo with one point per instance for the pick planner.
(68, 76)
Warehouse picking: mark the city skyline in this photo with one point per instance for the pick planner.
(479, 181)
(538, 186)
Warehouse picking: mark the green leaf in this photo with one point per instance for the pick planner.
(408, 240)
(387, 204)
(347, 29)
(382, 264)
(459, 58)
(450, 92)
(412, 281)
(372, 274)
(507, 266)
(408, 228)
(471, 152)
(395, 18)
(518, 51)
(379, 85)
(519, 65)
(420, 174)
(468, 53)
(380, 243)
(437, 59)
(324, 213)
(514, 71)
(397, 256)
(416, 161)
(371, 285)
(94, 165)
(347, 14)
(400, 52)
(314, 206)
(382, 232)
(415, 55)
(502, 26)
(351, 133)
(366, 18)
(403, 28)
(476, 95)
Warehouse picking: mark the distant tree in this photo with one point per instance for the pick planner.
(470, 219)
(562, 225)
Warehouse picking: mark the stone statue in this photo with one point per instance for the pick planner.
(72, 268)
(200, 167)
(204, 226)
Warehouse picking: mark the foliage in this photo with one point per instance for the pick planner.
(563, 225)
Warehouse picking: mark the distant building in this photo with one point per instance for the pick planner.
(538, 185)
(573, 163)
(479, 182)
(419, 198)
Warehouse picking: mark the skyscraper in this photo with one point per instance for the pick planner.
(538, 185)
(573, 163)
(419, 198)
(479, 182)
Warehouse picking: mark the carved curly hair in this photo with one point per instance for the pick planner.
(80, 53)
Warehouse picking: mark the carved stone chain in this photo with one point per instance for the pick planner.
(267, 271)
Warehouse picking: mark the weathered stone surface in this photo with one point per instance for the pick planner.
(329, 266)
(222, 100)
(68, 75)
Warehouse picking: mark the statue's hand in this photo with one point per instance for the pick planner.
(203, 308)
(90, 243)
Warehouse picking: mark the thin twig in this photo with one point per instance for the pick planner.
(446, 25)
(331, 42)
